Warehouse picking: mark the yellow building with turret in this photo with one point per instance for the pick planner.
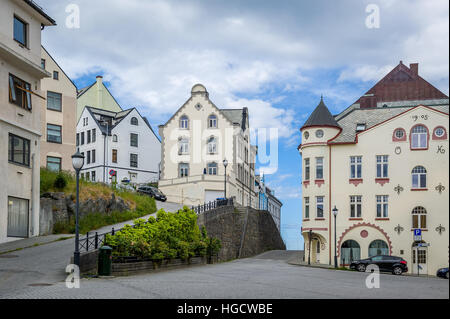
(383, 164)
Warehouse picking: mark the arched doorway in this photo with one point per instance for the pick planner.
(419, 258)
(350, 250)
(378, 247)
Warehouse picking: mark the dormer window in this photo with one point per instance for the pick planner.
(134, 121)
(360, 127)
(184, 122)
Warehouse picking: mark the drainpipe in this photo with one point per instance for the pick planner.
(33, 201)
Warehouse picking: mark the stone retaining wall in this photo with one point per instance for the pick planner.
(56, 207)
(243, 231)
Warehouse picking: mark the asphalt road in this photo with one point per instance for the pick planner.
(45, 264)
(264, 276)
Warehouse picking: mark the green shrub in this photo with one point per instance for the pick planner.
(60, 182)
(214, 246)
(169, 235)
(47, 180)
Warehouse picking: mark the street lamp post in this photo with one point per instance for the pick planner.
(335, 212)
(77, 163)
(225, 164)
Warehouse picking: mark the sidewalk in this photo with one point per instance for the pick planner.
(31, 242)
(299, 262)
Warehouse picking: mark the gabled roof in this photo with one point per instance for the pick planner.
(321, 116)
(117, 117)
(60, 68)
(81, 91)
(234, 116)
(39, 10)
(86, 88)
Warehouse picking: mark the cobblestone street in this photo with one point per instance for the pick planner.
(264, 276)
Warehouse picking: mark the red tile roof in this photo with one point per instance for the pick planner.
(401, 84)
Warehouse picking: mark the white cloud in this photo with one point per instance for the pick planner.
(247, 53)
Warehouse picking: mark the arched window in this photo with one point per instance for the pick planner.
(419, 177)
(419, 218)
(212, 145)
(350, 251)
(184, 122)
(378, 247)
(134, 121)
(212, 168)
(183, 146)
(419, 137)
(212, 121)
(114, 138)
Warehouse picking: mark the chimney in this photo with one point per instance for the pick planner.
(99, 80)
(414, 68)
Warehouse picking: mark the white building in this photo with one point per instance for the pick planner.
(267, 200)
(195, 142)
(121, 142)
(21, 104)
(274, 207)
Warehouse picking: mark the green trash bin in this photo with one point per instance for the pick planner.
(104, 261)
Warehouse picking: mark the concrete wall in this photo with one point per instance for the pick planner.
(244, 232)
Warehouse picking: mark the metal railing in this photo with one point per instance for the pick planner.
(98, 240)
(200, 209)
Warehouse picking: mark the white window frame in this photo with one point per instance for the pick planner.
(382, 206)
(355, 164)
(416, 137)
(355, 206)
(417, 173)
(382, 166)
(319, 167)
(320, 203)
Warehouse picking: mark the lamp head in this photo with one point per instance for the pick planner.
(77, 160)
(225, 162)
(335, 211)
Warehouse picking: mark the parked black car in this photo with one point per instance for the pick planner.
(443, 272)
(153, 192)
(396, 265)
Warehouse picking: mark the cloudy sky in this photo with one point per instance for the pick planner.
(275, 57)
